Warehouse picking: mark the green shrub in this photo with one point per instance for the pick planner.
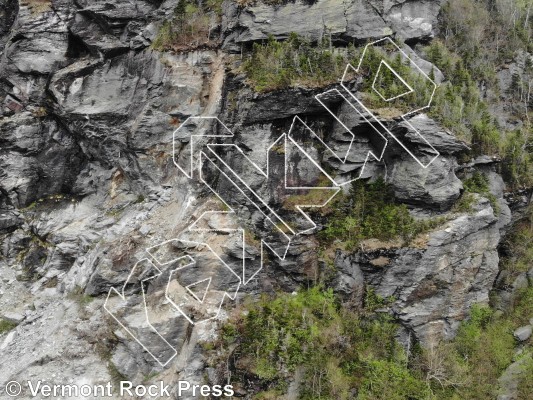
(279, 331)
(470, 365)
(458, 105)
(486, 33)
(276, 65)
(478, 38)
(517, 163)
(373, 301)
(518, 255)
(191, 26)
(479, 183)
(525, 381)
(369, 211)
(392, 381)
(335, 350)
(470, 332)
(388, 84)
(298, 62)
(6, 326)
(465, 203)
(343, 354)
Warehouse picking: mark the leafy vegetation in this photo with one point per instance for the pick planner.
(487, 33)
(465, 203)
(344, 354)
(517, 247)
(477, 183)
(525, 382)
(338, 352)
(517, 152)
(369, 211)
(469, 366)
(334, 352)
(191, 26)
(299, 62)
(478, 37)
(458, 103)
(467, 59)
(277, 65)
(6, 326)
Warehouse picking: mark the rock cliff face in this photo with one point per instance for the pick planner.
(343, 20)
(87, 181)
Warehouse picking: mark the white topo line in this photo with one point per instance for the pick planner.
(287, 232)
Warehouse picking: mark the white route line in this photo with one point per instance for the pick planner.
(192, 228)
(411, 90)
(253, 203)
(191, 170)
(287, 138)
(188, 287)
(412, 63)
(174, 271)
(122, 296)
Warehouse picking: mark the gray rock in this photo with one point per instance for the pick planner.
(9, 10)
(40, 155)
(510, 378)
(95, 39)
(435, 186)
(145, 229)
(8, 340)
(87, 117)
(349, 280)
(523, 333)
(502, 110)
(39, 55)
(436, 283)
(12, 104)
(443, 141)
(412, 20)
(13, 317)
(275, 105)
(9, 221)
(44, 47)
(352, 20)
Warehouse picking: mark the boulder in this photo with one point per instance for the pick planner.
(9, 221)
(13, 317)
(523, 333)
(433, 187)
(441, 139)
(412, 19)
